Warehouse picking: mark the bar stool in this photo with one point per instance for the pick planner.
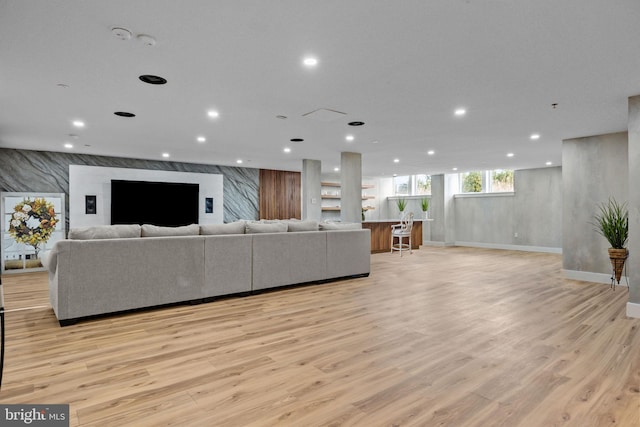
(401, 231)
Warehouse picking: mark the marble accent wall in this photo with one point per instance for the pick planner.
(46, 171)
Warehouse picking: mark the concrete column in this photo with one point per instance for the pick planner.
(351, 187)
(436, 209)
(633, 272)
(442, 209)
(451, 187)
(310, 194)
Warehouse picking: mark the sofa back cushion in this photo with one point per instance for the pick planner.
(119, 231)
(340, 226)
(149, 230)
(307, 225)
(215, 229)
(253, 227)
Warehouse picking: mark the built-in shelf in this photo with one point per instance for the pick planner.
(337, 196)
(337, 184)
(337, 208)
(333, 196)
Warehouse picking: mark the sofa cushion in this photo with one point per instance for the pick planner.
(119, 231)
(149, 230)
(261, 227)
(340, 226)
(215, 229)
(307, 225)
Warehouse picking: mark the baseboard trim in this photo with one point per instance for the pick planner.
(633, 310)
(588, 276)
(436, 244)
(511, 247)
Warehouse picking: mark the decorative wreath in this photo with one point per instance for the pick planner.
(33, 222)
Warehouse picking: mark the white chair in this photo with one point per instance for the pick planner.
(401, 231)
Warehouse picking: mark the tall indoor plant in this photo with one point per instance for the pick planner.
(612, 221)
(424, 204)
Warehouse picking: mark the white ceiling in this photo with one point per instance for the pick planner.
(402, 67)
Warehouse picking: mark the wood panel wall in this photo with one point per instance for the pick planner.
(280, 194)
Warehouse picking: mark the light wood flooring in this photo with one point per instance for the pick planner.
(442, 337)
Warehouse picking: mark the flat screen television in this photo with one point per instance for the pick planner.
(168, 204)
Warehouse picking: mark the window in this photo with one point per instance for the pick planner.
(412, 185)
(501, 180)
(423, 185)
(471, 182)
(401, 185)
(492, 181)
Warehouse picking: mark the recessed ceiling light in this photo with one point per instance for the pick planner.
(296, 140)
(510, 154)
(535, 136)
(375, 142)
(239, 161)
(396, 160)
(431, 152)
(68, 145)
(165, 155)
(349, 138)
(355, 123)
(287, 150)
(455, 169)
(78, 123)
(548, 163)
(213, 114)
(124, 114)
(310, 61)
(336, 169)
(201, 139)
(153, 80)
(460, 112)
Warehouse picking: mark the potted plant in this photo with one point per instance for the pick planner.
(401, 204)
(612, 221)
(424, 204)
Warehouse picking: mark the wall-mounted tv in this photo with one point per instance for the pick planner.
(168, 204)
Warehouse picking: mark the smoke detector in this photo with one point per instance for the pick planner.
(121, 33)
(146, 39)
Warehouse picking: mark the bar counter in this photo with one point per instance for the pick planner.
(381, 234)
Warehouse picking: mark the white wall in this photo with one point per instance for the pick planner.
(593, 169)
(95, 180)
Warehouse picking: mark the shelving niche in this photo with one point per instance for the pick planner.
(330, 191)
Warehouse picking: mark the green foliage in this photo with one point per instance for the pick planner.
(402, 204)
(423, 184)
(424, 204)
(612, 222)
(502, 180)
(504, 176)
(472, 182)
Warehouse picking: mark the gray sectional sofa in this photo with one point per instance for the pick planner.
(110, 269)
